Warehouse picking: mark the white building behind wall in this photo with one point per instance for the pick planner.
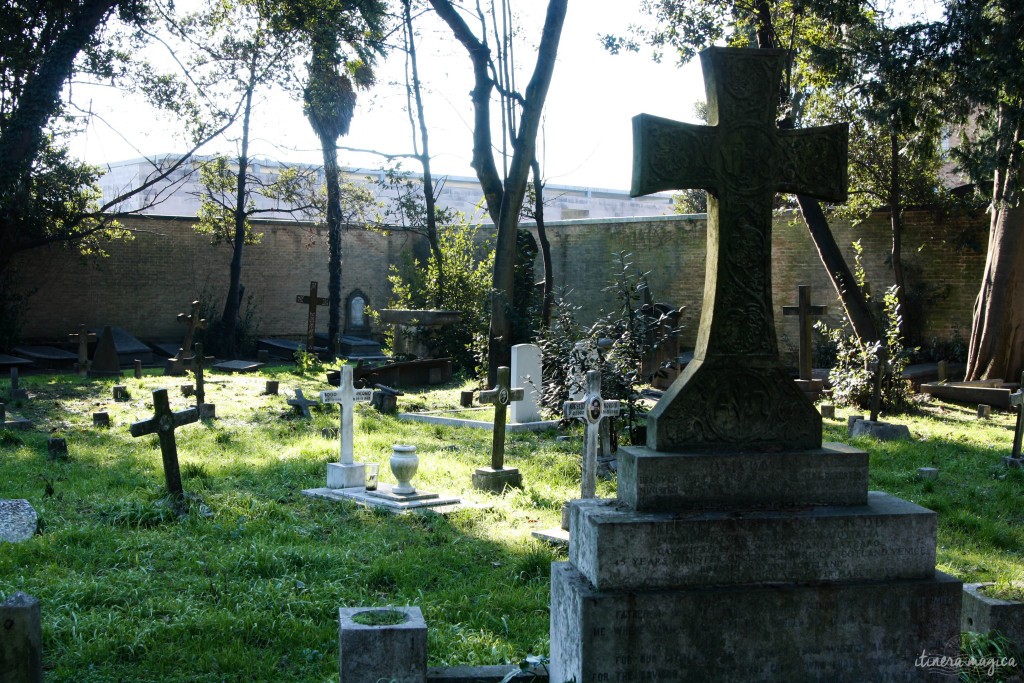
(178, 195)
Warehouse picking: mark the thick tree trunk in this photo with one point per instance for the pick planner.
(842, 279)
(896, 222)
(997, 331)
(232, 304)
(334, 260)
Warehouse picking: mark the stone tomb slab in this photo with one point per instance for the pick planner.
(361, 496)
(128, 347)
(835, 474)
(466, 418)
(836, 632)
(47, 356)
(13, 361)
(18, 521)
(284, 348)
(237, 366)
(616, 548)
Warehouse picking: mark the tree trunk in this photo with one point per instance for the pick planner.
(231, 305)
(545, 246)
(842, 279)
(997, 331)
(334, 261)
(896, 221)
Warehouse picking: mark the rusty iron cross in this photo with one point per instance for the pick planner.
(736, 395)
(805, 310)
(501, 396)
(313, 301)
(163, 423)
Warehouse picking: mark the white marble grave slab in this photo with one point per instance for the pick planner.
(374, 499)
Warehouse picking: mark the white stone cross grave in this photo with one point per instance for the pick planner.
(346, 473)
(592, 409)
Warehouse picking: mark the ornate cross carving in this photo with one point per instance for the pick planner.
(805, 311)
(501, 396)
(735, 394)
(163, 423)
(346, 395)
(592, 409)
(313, 300)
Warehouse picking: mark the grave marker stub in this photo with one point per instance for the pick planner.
(105, 361)
(346, 473)
(805, 310)
(21, 640)
(313, 301)
(83, 337)
(163, 423)
(16, 391)
(591, 409)
(1017, 399)
(735, 393)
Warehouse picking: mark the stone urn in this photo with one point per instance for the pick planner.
(404, 463)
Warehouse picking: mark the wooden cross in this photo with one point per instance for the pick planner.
(163, 423)
(83, 337)
(1017, 399)
(805, 310)
(501, 396)
(302, 403)
(313, 300)
(736, 395)
(591, 409)
(346, 396)
(193, 322)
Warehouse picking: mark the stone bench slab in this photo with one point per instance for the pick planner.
(618, 548)
(835, 474)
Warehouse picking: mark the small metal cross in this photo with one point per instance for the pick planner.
(163, 423)
(501, 396)
(313, 301)
(592, 409)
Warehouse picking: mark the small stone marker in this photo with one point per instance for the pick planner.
(828, 410)
(497, 476)
(188, 390)
(21, 640)
(301, 403)
(942, 370)
(138, 368)
(527, 373)
(592, 409)
(163, 423)
(1017, 399)
(262, 356)
(372, 652)
(18, 521)
(57, 448)
(385, 399)
(806, 311)
(105, 361)
(83, 337)
(17, 393)
(271, 388)
(313, 301)
(101, 419)
(120, 392)
(346, 473)
(984, 411)
(15, 423)
(927, 472)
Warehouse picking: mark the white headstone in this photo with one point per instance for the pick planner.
(18, 521)
(526, 373)
(346, 473)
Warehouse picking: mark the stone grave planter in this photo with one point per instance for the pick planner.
(412, 327)
(404, 462)
(382, 643)
(982, 613)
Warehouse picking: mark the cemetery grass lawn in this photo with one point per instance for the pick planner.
(130, 592)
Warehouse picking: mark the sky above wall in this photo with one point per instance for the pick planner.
(586, 138)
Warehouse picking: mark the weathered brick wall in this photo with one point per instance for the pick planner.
(147, 281)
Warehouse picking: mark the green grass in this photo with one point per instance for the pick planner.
(246, 586)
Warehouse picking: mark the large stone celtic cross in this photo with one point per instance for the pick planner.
(735, 394)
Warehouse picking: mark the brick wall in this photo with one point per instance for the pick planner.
(145, 282)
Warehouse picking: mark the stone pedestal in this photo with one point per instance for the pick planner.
(374, 651)
(776, 566)
(342, 476)
(21, 640)
(496, 481)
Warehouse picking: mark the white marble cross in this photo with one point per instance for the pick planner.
(347, 396)
(592, 409)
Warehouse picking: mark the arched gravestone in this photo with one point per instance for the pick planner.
(357, 321)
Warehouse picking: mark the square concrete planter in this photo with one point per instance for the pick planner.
(981, 613)
(390, 644)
